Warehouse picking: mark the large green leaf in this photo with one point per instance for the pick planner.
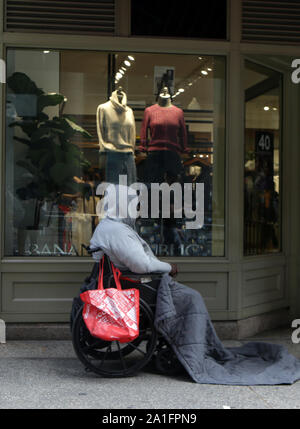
(45, 100)
(84, 163)
(43, 116)
(46, 161)
(59, 131)
(61, 172)
(43, 143)
(41, 132)
(36, 156)
(45, 132)
(59, 154)
(54, 125)
(76, 128)
(72, 153)
(20, 83)
(28, 127)
(28, 166)
(25, 141)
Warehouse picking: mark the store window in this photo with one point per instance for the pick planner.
(262, 192)
(77, 119)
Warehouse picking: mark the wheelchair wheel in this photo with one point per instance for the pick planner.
(166, 361)
(112, 358)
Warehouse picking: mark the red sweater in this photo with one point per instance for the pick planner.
(167, 129)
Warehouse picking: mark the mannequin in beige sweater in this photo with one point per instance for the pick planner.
(117, 135)
(116, 124)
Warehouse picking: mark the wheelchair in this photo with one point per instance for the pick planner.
(115, 359)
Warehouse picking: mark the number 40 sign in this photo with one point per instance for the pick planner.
(264, 142)
(264, 152)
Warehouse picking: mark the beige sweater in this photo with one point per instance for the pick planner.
(116, 125)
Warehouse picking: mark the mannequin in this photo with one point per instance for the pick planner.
(117, 135)
(168, 139)
(120, 94)
(164, 98)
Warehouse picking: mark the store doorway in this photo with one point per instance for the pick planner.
(262, 159)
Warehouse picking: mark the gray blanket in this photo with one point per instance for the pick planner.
(182, 318)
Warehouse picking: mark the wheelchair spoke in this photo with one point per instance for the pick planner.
(90, 346)
(108, 350)
(136, 348)
(121, 355)
(86, 349)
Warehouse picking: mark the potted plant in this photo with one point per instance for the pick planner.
(51, 159)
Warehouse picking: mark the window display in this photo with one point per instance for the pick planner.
(78, 119)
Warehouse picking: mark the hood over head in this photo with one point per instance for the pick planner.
(120, 107)
(120, 204)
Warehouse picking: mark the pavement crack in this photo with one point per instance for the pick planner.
(261, 397)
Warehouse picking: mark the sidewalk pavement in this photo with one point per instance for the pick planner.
(48, 375)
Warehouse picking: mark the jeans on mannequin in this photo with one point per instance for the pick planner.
(116, 164)
(162, 163)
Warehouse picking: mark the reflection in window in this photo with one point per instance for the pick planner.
(262, 160)
(78, 119)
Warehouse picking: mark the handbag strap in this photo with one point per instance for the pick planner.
(116, 273)
(100, 276)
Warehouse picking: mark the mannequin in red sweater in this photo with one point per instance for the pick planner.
(168, 139)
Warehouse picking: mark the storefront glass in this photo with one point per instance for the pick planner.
(262, 223)
(64, 137)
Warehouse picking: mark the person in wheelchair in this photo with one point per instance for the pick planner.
(117, 237)
(174, 328)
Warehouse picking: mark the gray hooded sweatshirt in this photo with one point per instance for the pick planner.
(117, 237)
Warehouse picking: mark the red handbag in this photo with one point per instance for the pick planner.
(112, 314)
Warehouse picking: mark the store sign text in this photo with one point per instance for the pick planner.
(55, 249)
